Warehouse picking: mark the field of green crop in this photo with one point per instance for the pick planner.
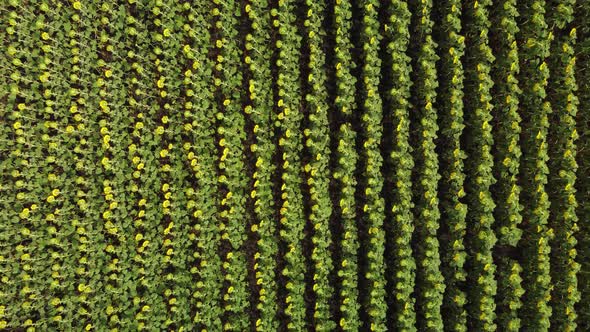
(274, 165)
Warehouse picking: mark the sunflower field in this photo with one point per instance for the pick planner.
(295, 165)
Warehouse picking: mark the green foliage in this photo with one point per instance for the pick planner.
(347, 272)
(480, 204)
(451, 191)
(534, 72)
(201, 158)
(506, 192)
(317, 143)
(562, 89)
(429, 280)
(231, 169)
(260, 88)
(398, 35)
(291, 212)
(227, 165)
(510, 292)
(582, 74)
(373, 209)
(347, 158)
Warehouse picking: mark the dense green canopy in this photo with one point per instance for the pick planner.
(274, 165)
